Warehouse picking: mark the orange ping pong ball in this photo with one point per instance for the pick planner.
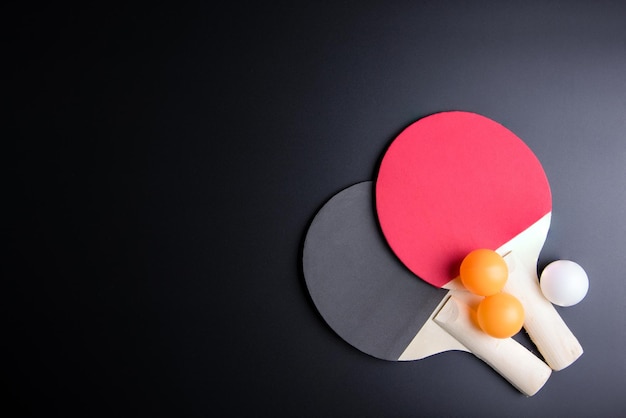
(500, 315)
(484, 272)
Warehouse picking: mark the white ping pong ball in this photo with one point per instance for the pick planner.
(564, 283)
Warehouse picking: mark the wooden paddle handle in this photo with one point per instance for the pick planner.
(513, 361)
(554, 340)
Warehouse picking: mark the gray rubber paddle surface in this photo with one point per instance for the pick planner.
(358, 285)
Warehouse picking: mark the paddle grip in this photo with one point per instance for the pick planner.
(554, 340)
(513, 361)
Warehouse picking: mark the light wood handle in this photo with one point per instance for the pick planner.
(513, 361)
(554, 340)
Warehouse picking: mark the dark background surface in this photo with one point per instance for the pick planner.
(163, 165)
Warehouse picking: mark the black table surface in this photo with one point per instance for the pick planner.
(164, 163)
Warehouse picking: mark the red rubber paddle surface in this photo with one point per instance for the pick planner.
(453, 182)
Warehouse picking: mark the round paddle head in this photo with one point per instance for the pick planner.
(454, 182)
(361, 289)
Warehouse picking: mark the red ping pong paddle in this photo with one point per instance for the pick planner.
(374, 303)
(454, 182)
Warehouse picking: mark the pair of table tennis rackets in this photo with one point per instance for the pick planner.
(449, 183)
